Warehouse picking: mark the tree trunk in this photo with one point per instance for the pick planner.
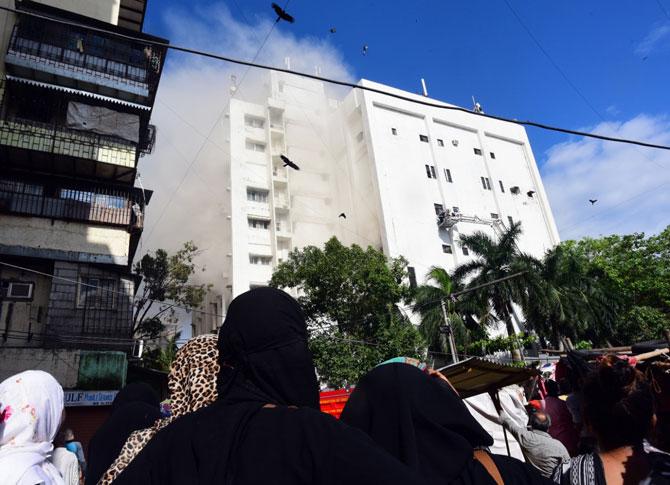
(516, 352)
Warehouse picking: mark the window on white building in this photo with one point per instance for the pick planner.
(493, 155)
(258, 259)
(16, 290)
(478, 151)
(486, 183)
(447, 174)
(494, 215)
(359, 137)
(455, 209)
(258, 223)
(411, 273)
(394, 131)
(502, 187)
(257, 195)
(439, 209)
(465, 251)
(96, 292)
(446, 248)
(510, 220)
(255, 146)
(440, 143)
(423, 138)
(254, 121)
(430, 172)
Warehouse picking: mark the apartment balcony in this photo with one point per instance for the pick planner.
(87, 203)
(79, 58)
(281, 204)
(283, 230)
(28, 144)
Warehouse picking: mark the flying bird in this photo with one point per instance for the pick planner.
(288, 163)
(365, 49)
(342, 215)
(593, 201)
(281, 14)
(530, 193)
(333, 30)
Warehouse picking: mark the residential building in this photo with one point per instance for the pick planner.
(374, 170)
(75, 117)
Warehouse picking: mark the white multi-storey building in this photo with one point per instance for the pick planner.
(409, 178)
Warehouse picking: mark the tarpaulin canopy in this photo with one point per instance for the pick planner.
(476, 376)
(103, 121)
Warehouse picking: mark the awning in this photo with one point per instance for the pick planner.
(78, 92)
(476, 376)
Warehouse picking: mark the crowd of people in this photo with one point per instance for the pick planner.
(245, 410)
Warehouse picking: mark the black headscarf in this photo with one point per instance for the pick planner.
(421, 420)
(264, 361)
(136, 406)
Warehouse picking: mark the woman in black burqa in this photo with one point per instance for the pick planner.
(136, 406)
(421, 420)
(266, 426)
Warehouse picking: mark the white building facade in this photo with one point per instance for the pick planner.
(409, 178)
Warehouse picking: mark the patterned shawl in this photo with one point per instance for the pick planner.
(192, 384)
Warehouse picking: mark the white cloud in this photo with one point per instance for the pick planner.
(657, 37)
(632, 184)
(192, 98)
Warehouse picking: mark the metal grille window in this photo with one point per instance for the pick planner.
(254, 122)
(258, 259)
(440, 143)
(510, 220)
(502, 187)
(411, 273)
(430, 172)
(439, 209)
(447, 175)
(93, 292)
(394, 132)
(478, 151)
(446, 248)
(494, 215)
(486, 183)
(258, 223)
(465, 251)
(423, 138)
(257, 195)
(493, 155)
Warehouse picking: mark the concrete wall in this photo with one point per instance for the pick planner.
(62, 364)
(70, 241)
(70, 322)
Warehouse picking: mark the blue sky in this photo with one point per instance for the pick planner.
(616, 54)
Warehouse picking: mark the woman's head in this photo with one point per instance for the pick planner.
(618, 403)
(263, 343)
(417, 418)
(31, 408)
(193, 374)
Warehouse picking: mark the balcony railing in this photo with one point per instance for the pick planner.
(59, 140)
(63, 50)
(93, 205)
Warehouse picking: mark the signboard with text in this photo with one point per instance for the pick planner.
(89, 398)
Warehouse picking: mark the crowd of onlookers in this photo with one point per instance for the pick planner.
(245, 410)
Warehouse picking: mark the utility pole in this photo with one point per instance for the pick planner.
(447, 329)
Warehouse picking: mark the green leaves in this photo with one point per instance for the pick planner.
(350, 297)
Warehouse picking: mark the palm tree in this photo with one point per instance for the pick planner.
(569, 298)
(428, 300)
(495, 260)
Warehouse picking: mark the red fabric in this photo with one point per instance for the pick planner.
(562, 427)
(332, 402)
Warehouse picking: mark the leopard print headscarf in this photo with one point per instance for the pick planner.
(192, 385)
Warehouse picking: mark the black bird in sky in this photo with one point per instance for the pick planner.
(333, 30)
(593, 201)
(530, 193)
(281, 14)
(288, 163)
(365, 49)
(342, 215)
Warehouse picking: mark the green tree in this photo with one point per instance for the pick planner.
(428, 300)
(569, 297)
(492, 261)
(639, 268)
(165, 284)
(351, 298)
(161, 358)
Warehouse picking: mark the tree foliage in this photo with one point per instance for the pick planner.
(161, 358)
(165, 284)
(350, 297)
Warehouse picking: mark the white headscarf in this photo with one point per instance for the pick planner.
(31, 408)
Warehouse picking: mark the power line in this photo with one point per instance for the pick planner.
(443, 106)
